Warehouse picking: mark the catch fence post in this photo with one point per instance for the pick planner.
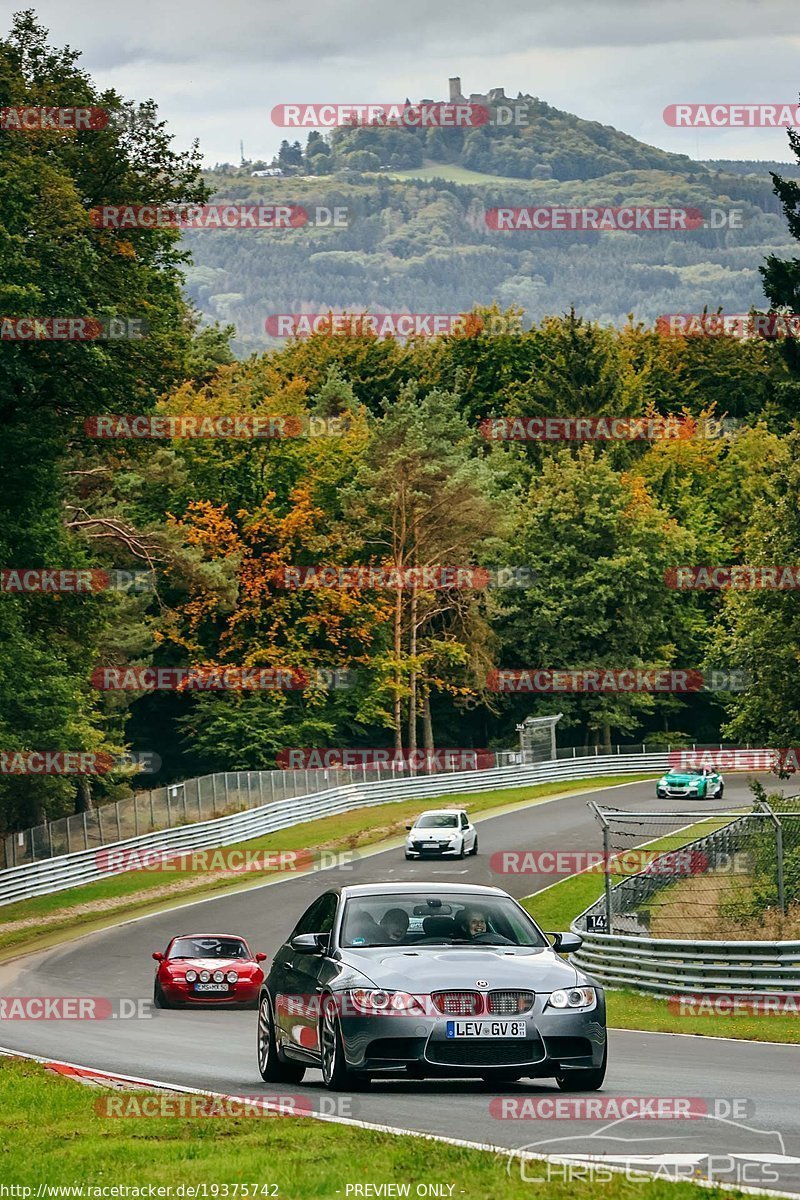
(606, 855)
(778, 856)
(779, 859)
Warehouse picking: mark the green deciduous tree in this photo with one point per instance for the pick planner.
(599, 545)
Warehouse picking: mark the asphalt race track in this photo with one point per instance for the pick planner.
(216, 1049)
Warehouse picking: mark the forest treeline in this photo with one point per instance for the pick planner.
(390, 468)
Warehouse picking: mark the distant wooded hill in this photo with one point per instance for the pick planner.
(417, 240)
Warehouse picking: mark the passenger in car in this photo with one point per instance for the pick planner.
(394, 924)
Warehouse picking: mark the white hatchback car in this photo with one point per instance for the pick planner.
(441, 831)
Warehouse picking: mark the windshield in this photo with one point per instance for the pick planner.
(209, 947)
(437, 821)
(425, 919)
(692, 774)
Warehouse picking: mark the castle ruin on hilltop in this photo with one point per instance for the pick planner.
(493, 96)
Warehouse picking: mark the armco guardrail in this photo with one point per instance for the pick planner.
(681, 965)
(57, 874)
(674, 966)
(200, 799)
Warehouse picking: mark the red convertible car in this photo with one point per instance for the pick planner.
(203, 968)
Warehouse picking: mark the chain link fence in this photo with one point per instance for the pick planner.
(186, 803)
(713, 876)
(219, 795)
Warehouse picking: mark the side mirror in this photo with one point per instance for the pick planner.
(310, 943)
(411, 826)
(260, 957)
(565, 943)
(158, 956)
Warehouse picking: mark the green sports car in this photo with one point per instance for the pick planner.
(704, 785)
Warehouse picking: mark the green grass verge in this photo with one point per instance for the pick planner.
(45, 920)
(560, 904)
(557, 906)
(51, 1133)
(634, 1010)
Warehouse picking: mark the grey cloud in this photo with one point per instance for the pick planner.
(274, 33)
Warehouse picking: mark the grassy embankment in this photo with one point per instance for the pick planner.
(69, 1144)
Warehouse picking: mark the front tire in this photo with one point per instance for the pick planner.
(272, 1069)
(474, 849)
(721, 791)
(584, 1080)
(159, 999)
(336, 1075)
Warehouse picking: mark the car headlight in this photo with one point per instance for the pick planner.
(232, 977)
(191, 976)
(377, 1003)
(204, 976)
(453, 835)
(579, 997)
(219, 977)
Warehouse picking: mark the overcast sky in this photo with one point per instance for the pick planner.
(217, 67)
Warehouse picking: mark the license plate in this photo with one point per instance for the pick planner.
(486, 1029)
(211, 987)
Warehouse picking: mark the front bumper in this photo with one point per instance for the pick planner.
(555, 1038)
(432, 849)
(243, 992)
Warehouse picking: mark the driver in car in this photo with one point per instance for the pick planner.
(477, 929)
(475, 922)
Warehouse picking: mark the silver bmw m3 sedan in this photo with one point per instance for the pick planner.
(428, 980)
